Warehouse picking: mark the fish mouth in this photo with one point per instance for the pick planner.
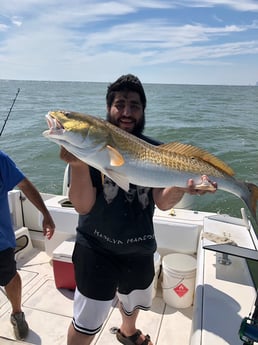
(55, 126)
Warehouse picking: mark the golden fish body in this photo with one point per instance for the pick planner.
(127, 159)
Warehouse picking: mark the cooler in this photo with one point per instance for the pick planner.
(63, 266)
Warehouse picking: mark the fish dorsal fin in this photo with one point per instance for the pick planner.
(116, 159)
(193, 151)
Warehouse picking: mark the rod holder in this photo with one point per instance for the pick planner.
(224, 259)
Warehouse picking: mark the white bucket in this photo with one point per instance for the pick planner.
(179, 271)
(157, 263)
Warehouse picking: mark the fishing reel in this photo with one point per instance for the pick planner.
(248, 331)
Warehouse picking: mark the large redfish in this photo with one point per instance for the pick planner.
(128, 159)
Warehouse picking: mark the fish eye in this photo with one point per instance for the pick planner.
(68, 114)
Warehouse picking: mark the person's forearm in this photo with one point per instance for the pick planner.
(35, 198)
(166, 198)
(82, 194)
(33, 195)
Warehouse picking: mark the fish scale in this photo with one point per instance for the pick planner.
(149, 153)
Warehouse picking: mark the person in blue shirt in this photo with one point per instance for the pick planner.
(11, 176)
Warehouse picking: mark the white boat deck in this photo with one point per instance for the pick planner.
(224, 294)
(49, 311)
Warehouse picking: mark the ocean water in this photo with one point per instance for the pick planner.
(220, 119)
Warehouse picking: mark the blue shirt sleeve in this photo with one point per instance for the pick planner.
(10, 174)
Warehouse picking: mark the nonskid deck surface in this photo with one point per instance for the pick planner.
(49, 311)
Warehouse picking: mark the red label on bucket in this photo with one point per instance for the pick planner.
(181, 290)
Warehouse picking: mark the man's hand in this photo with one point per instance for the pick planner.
(69, 157)
(48, 226)
(207, 186)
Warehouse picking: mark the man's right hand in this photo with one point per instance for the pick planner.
(69, 158)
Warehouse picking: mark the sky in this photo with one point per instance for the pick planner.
(211, 42)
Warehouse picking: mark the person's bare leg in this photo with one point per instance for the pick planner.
(13, 291)
(128, 327)
(77, 338)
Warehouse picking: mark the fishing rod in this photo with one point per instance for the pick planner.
(6, 119)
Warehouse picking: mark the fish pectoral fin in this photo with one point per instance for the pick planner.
(116, 159)
(194, 151)
(120, 179)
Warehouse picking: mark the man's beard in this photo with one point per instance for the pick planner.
(138, 128)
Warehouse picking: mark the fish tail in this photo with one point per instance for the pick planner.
(252, 202)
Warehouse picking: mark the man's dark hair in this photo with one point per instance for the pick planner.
(128, 82)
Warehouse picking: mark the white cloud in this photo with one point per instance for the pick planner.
(16, 21)
(238, 5)
(3, 27)
(64, 40)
